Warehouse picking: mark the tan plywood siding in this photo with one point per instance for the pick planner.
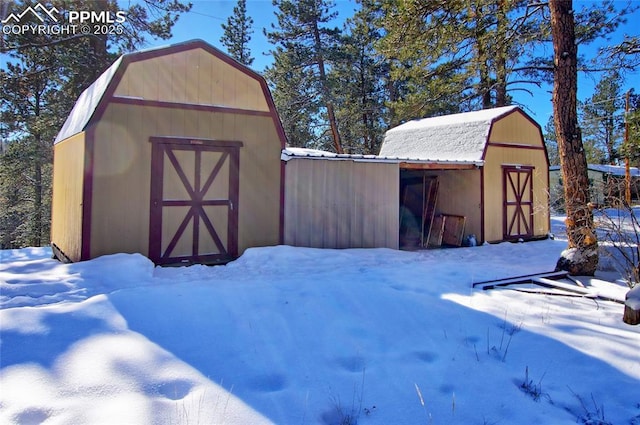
(66, 205)
(121, 189)
(341, 204)
(459, 194)
(192, 77)
(515, 129)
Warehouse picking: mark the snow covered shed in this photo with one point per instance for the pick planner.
(174, 153)
(491, 167)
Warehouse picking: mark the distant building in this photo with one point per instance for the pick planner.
(606, 183)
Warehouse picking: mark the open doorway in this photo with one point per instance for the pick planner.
(418, 198)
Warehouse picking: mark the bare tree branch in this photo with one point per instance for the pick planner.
(7, 49)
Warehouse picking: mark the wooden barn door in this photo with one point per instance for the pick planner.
(194, 201)
(518, 202)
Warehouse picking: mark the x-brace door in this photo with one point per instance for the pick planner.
(518, 202)
(194, 201)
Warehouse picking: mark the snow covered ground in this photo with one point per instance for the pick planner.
(304, 336)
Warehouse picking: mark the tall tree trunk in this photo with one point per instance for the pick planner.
(326, 93)
(484, 84)
(582, 256)
(394, 96)
(502, 51)
(37, 202)
(485, 80)
(36, 220)
(609, 140)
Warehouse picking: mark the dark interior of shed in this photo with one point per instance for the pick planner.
(418, 198)
(420, 225)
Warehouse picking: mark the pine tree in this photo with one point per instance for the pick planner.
(154, 18)
(237, 34)
(27, 110)
(632, 121)
(295, 96)
(625, 55)
(362, 75)
(582, 256)
(305, 48)
(41, 80)
(421, 43)
(456, 56)
(602, 117)
(592, 22)
(29, 113)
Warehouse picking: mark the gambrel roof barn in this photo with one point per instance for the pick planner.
(457, 137)
(173, 153)
(506, 196)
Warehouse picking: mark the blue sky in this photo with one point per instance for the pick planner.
(205, 19)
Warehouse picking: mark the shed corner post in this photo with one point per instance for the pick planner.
(87, 193)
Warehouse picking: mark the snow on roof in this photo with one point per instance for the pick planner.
(614, 170)
(87, 103)
(291, 153)
(459, 137)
